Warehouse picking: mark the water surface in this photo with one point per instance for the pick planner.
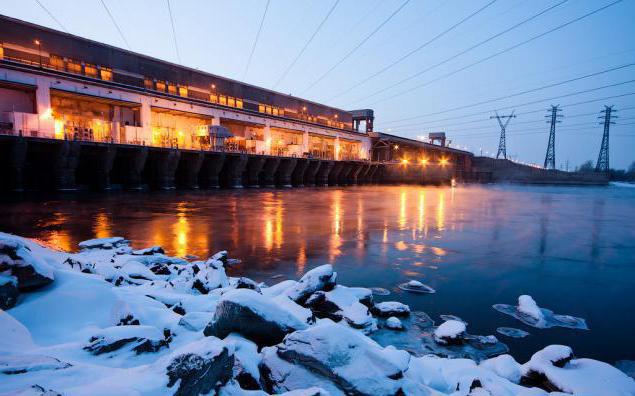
(572, 249)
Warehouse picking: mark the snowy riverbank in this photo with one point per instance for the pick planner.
(114, 320)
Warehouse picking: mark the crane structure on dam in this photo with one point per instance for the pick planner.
(550, 157)
(502, 146)
(603, 158)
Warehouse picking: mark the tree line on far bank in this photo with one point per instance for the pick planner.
(627, 175)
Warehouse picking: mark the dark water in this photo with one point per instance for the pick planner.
(572, 249)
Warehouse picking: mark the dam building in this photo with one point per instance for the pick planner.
(73, 110)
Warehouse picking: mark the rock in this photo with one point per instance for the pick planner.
(36, 390)
(17, 260)
(259, 318)
(450, 332)
(128, 320)
(246, 283)
(210, 277)
(104, 243)
(195, 321)
(390, 308)
(8, 291)
(142, 338)
(320, 278)
(355, 363)
(200, 367)
(246, 361)
(149, 251)
(504, 366)
(19, 364)
(394, 324)
(342, 303)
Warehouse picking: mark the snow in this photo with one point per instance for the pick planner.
(42, 338)
(391, 308)
(450, 329)
(415, 286)
(512, 332)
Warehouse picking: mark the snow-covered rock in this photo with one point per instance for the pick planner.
(505, 366)
(256, 317)
(19, 364)
(141, 338)
(390, 308)
(246, 361)
(319, 278)
(394, 323)
(450, 332)
(528, 312)
(149, 251)
(103, 243)
(246, 283)
(356, 364)
(18, 261)
(8, 291)
(528, 306)
(555, 369)
(342, 303)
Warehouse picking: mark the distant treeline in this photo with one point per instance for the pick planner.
(614, 174)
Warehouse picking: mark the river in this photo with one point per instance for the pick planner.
(572, 249)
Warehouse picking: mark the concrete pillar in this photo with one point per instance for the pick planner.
(363, 173)
(14, 174)
(266, 134)
(337, 148)
(46, 124)
(146, 121)
(371, 172)
(335, 173)
(254, 166)
(285, 170)
(353, 176)
(342, 179)
(189, 167)
(136, 163)
(65, 166)
(116, 124)
(210, 171)
(235, 165)
(105, 160)
(297, 178)
(269, 171)
(311, 172)
(305, 142)
(164, 163)
(322, 178)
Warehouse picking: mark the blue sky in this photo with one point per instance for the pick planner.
(218, 36)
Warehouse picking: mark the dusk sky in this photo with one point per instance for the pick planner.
(405, 59)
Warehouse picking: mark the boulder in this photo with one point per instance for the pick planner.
(246, 283)
(342, 303)
(36, 390)
(8, 291)
(353, 362)
(450, 332)
(141, 338)
(394, 323)
(201, 367)
(17, 260)
(256, 317)
(149, 251)
(319, 278)
(103, 243)
(390, 308)
(210, 277)
(20, 364)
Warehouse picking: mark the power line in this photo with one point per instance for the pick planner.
(253, 48)
(351, 52)
(412, 52)
(114, 22)
(176, 46)
(51, 15)
(491, 56)
(521, 93)
(288, 69)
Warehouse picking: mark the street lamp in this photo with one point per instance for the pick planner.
(39, 50)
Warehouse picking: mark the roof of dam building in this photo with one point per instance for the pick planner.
(416, 143)
(135, 69)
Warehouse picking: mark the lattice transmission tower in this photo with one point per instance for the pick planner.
(502, 146)
(603, 158)
(550, 157)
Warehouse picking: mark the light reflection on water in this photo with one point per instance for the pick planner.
(573, 249)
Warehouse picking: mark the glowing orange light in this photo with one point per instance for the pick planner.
(396, 147)
(37, 42)
(404, 161)
(443, 161)
(424, 161)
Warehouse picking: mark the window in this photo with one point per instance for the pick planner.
(223, 100)
(261, 108)
(275, 111)
(160, 86)
(148, 84)
(268, 109)
(57, 62)
(239, 103)
(171, 89)
(1, 52)
(231, 102)
(74, 67)
(213, 98)
(183, 91)
(90, 70)
(106, 74)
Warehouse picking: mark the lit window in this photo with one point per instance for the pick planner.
(223, 100)
(261, 108)
(239, 103)
(106, 73)
(275, 111)
(280, 112)
(171, 89)
(74, 67)
(57, 62)
(268, 109)
(90, 70)
(160, 86)
(1, 52)
(231, 102)
(213, 98)
(149, 84)
(183, 91)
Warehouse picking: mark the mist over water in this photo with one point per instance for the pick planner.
(572, 249)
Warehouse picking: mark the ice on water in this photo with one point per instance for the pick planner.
(531, 314)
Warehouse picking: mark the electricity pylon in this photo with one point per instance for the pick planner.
(550, 157)
(603, 158)
(502, 149)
